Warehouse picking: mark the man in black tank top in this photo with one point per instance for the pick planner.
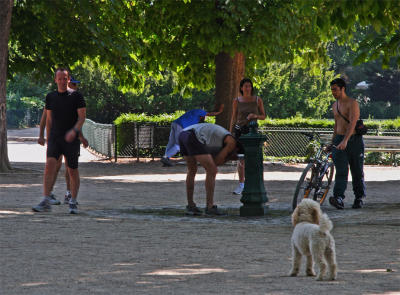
(66, 113)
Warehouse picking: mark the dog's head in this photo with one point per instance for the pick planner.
(307, 211)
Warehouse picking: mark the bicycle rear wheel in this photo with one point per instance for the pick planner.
(326, 181)
(304, 185)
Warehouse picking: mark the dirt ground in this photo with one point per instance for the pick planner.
(132, 237)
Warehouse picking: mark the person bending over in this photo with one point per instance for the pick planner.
(210, 145)
(189, 118)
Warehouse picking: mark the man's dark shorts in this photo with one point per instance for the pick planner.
(71, 150)
(189, 144)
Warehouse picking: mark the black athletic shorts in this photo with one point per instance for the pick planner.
(71, 150)
(189, 144)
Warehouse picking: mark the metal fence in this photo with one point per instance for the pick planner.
(290, 141)
(101, 137)
(286, 142)
(149, 140)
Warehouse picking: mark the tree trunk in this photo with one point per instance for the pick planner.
(228, 73)
(5, 23)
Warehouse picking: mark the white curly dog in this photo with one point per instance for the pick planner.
(311, 237)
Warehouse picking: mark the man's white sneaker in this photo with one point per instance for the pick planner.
(238, 190)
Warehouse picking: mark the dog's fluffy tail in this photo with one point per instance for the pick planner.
(325, 224)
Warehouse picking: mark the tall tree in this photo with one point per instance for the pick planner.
(5, 23)
(139, 38)
(197, 38)
(45, 34)
(206, 42)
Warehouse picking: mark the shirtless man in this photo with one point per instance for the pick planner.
(348, 147)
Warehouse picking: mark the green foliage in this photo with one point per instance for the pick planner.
(127, 38)
(297, 121)
(377, 158)
(47, 33)
(25, 101)
(194, 32)
(160, 120)
(382, 97)
(105, 101)
(166, 120)
(372, 158)
(379, 110)
(286, 160)
(288, 89)
(312, 149)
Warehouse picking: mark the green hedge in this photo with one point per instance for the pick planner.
(126, 122)
(159, 120)
(166, 120)
(326, 123)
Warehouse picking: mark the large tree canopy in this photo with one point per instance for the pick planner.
(140, 38)
(185, 36)
(47, 33)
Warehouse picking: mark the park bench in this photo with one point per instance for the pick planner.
(385, 144)
(373, 143)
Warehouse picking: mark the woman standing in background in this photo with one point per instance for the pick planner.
(245, 108)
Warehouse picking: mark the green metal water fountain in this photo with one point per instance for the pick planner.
(254, 195)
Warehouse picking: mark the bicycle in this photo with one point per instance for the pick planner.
(316, 178)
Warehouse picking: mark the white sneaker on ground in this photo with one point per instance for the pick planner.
(238, 190)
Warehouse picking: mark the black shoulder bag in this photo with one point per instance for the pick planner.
(360, 128)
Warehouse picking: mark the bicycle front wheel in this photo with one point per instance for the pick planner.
(304, 185)
(325, 184)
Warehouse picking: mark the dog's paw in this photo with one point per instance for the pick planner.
(293, 274)
(319, 278)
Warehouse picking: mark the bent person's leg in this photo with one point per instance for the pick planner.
(211, 172)
(190, 176)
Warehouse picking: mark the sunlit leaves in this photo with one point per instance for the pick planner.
(140, 38)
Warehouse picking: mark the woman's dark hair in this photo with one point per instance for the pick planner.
(339, 82)
(246, 80)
